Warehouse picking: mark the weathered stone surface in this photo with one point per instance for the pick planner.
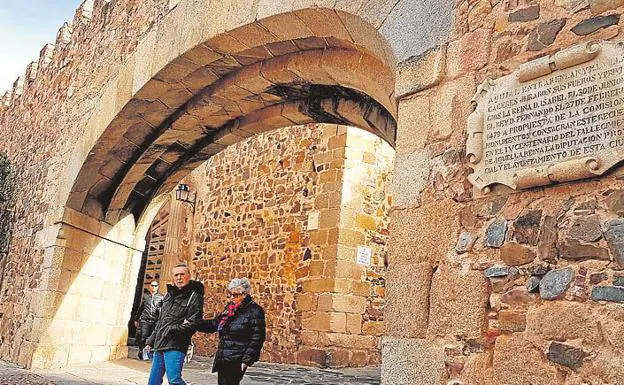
(498, 271)
(411, 179)
(517, 362)
(420, 72)
(596, 278)
(469, 53)
(565, 320)
(414, 233)
(614, 233)
(588, 26)
(537, 269)
(413, 129)
(545, 34)
(525, 14)
(600, 6)
(515, 254)
(465, 242)
(533, 284)
(407, 306)
(608, 293)
(555, 283)
(518, 296)
(566, 355)
(527, 227)
(547, 246)
(618, 280)
(495, 233)
(478, 14)
(615, 202)
(457, 303)
(512, 320)
(574, 250)
(586, 228)
(411, 361)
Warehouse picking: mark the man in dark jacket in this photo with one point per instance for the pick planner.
(242, 331)
(147, 315)
(171, 336)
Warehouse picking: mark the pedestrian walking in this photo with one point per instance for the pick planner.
(241, 329)
(171, 336)
(147, 315)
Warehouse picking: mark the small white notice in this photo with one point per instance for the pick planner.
(313, 220)
(364, 255)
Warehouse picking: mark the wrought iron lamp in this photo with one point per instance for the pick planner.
(184, 194)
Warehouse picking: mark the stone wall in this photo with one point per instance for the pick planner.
(287, 209)
(510, 287)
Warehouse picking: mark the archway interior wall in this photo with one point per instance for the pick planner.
(445, 321)
(270, 208)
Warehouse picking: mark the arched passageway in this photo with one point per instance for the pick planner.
(328, 66)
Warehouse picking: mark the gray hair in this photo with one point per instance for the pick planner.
(240, 285)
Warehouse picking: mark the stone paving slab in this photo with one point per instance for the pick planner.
(135, 372)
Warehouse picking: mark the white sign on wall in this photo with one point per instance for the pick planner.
(313, 220)
(364, 255)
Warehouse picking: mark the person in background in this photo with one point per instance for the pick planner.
(148, 313)
(241, 329)
(171, 336)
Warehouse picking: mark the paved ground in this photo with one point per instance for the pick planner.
(134, 372)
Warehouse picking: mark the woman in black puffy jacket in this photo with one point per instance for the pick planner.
(241, 329)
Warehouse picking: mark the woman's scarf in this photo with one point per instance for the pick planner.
(229, 312)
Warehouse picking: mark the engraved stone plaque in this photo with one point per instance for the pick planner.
(557, 118)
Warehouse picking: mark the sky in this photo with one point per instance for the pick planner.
(25, 27)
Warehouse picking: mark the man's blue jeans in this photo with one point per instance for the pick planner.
(169, 361)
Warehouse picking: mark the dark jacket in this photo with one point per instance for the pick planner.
(242, 337)
(149, 310)
(170, 332)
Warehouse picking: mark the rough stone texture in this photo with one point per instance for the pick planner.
(614, 233)
(533, 284)
(462, 57)
(512, 320)
(457, 303)
(595, 23)
(515, 254)
(547, 246)
(586, 228)
(555, 283)
(498, 271)
(526, 227)
(419, 73)
(608, 293)
(618, 280)
(575, 250)
(495, 233)
(411, 179)
(465, 242)
(545, 34)
(518, 362)
(407, 313)
(600, 6)
(566, 355)
(414, 361)
(518, 296)
(405, 20)
(414, 233)
(525, 14)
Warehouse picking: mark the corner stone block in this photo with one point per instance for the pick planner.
(410, 178)
(421, 72)
(407, 300)
(415, 233)
(458, 303)
(408, 361)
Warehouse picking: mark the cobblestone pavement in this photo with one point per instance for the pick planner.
(133, 372)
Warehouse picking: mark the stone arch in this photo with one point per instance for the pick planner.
(220, 91)
(156, 122)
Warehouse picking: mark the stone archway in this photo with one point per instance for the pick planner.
(237, 84)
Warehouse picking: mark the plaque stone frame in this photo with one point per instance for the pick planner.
(566, 90)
